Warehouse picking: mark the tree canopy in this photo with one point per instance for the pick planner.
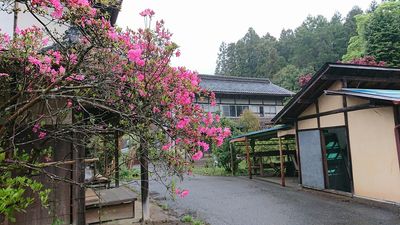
(378, 34)
(300, 51)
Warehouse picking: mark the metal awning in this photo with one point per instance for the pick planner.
(261, 134)
(379, 94)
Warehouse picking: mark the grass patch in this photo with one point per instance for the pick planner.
(164, 206)
(187, 219)
(197, 222)
(210, 171)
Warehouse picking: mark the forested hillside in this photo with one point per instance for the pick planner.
(374, 33)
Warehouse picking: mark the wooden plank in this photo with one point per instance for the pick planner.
(69, 162)
(113, 196)
(109, 213)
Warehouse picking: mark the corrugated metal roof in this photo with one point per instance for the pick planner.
(265, 133)
(381, 94)
(241, 85)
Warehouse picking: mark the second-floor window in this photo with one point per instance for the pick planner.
(233, 110)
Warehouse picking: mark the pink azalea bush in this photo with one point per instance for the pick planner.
(124, 73)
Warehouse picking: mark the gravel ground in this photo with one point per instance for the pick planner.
(240, 201)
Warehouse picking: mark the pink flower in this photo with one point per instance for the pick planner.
(140, 77)
(45, 41)
(220, 141)
(57, 56)
(178, 53)
(182, 123)
(147, 12)
(61, 70)
(4, 75)
(36, 128)
(79, 77)
(112, 35)
(184, 193)
(197, 156)
(226, 132)
(166, 147)
(34, 61)
(69, 103)
(217, 118)
(42, 134)
(58, 9)
(135, 55)
(204, 145)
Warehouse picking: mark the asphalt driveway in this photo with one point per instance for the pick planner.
(240, 201)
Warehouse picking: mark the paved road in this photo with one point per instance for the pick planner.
(240, 201)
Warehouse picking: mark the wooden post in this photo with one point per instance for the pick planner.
(232, 161)
(79, 217)
(116, 159)
(252, 146)
(144, 181)
(248, 158)
(282, 162)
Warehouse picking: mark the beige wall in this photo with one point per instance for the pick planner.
(307, 124)
(333, 120)
(310, 110)
(375, 163)
(331, 102)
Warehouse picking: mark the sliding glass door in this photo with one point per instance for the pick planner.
(337, 158)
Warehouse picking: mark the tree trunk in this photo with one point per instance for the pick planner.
(144, 181)
(79, 217)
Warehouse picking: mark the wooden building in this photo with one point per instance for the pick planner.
(236, 94)
(346, 123)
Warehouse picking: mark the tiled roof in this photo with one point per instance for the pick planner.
(241, 85)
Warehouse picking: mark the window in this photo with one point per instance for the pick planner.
(261, 111)
(270, 110)
(240, 109)
(233, 110)
(225, 110)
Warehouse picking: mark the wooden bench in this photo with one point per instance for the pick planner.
(109, 204)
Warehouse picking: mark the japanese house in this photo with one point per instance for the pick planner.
(236, 94)
(347, 125)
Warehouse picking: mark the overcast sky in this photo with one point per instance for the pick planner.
(200, 26)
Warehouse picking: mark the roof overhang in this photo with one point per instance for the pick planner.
(264, 134)
(376, 94)
(362, 76)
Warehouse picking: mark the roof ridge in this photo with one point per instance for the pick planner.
(235, 78)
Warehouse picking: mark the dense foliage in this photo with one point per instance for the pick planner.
(378, 34)
(296, 52)
(370, 38)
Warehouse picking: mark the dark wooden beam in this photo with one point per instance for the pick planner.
(346, 109)
(361, 78)
(305, 101)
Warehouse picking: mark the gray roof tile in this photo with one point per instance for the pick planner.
(241, 85)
